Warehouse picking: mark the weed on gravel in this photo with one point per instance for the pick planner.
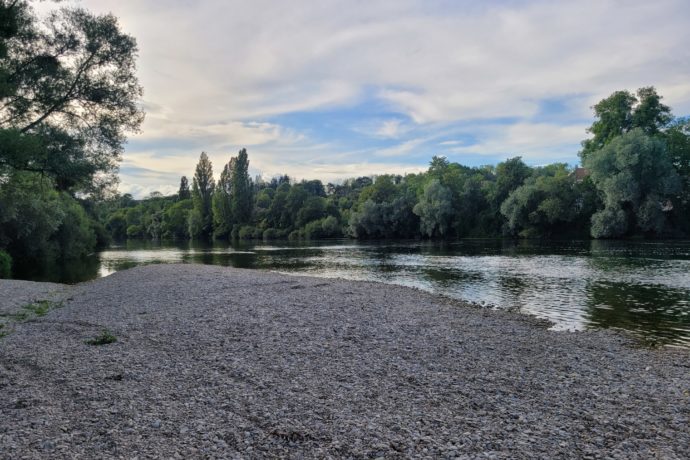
(104, 338)
(27, 312)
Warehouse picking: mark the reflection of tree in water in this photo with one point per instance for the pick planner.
(512, 290)
(658, 315)
(73, 271)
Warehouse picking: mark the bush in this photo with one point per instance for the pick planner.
(134, 231)
(331, 227)
(5, 264)
(270, 234)
(39, 225)
(248, 233)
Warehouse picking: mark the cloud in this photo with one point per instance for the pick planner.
(516, 76)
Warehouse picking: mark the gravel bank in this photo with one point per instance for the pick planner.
(215, 362)
(15, 293)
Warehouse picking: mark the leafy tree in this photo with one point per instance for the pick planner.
(39, 224)
(622, 112)
(314, 187)
(678, 141)
(546, 204)
(434, 209)
(117, 225)
(635, 177)
(201, 223)
(176, 220)
(242, 199)
(69, 93)
(313, 208)
(381, 191)
(222, 202)
(510, 174)
(183, 193)
(278, 215)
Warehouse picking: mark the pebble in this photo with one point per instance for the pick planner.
(248, 365)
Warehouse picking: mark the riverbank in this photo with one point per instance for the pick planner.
(216, 362)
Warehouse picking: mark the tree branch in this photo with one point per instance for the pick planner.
(63, 99)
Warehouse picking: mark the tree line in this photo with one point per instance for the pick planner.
(634, 182)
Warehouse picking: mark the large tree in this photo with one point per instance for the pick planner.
(201, 218)
(622, 112)
(637, 181)
(222, 202)
(68, 97)
(183, 192)
(242, 193)
(69, 89)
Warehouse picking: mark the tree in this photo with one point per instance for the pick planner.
(176, 220)
(622, 112)
(70, 92)
(183, 193)
(545, 205)
(68, 97)
(635, 177)
(242, 196)
(222, 202)
(202, 195)
(678, 141)
(434, 209)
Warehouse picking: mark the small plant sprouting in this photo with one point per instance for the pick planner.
(104, 338)
(40, 308)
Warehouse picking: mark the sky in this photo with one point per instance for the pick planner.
(336, 89)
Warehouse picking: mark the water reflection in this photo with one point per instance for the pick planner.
(640, 286)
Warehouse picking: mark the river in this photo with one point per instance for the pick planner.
(640, 286)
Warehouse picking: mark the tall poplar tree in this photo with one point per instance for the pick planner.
(242, 193)
(183, 193)
(201, 219)
(222, 204)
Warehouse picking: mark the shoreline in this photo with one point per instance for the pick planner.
(213, 361)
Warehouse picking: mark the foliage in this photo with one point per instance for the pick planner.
(222, 202)
(545, 204)
(434, 209)
(636, 178)
(201, 220)
(5, 265)
(176, 220)
(183, 193)
(638, 185)
(38, 223)
(622, 112)
(70, 95)
(241, 193)
(104, 338)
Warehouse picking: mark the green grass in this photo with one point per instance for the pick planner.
(104, 338)
(27, 312)
(40, 308)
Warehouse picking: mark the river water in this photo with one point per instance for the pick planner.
(640, 286)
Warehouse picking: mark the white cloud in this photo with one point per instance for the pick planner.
(215, 70)
(535, 141)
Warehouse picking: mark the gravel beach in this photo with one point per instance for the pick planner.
(216, 362)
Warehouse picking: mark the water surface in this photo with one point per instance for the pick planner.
(641, 286)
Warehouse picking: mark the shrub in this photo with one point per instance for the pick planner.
(270, 234)
(248, 233)
(134, 231)
(104, 338)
